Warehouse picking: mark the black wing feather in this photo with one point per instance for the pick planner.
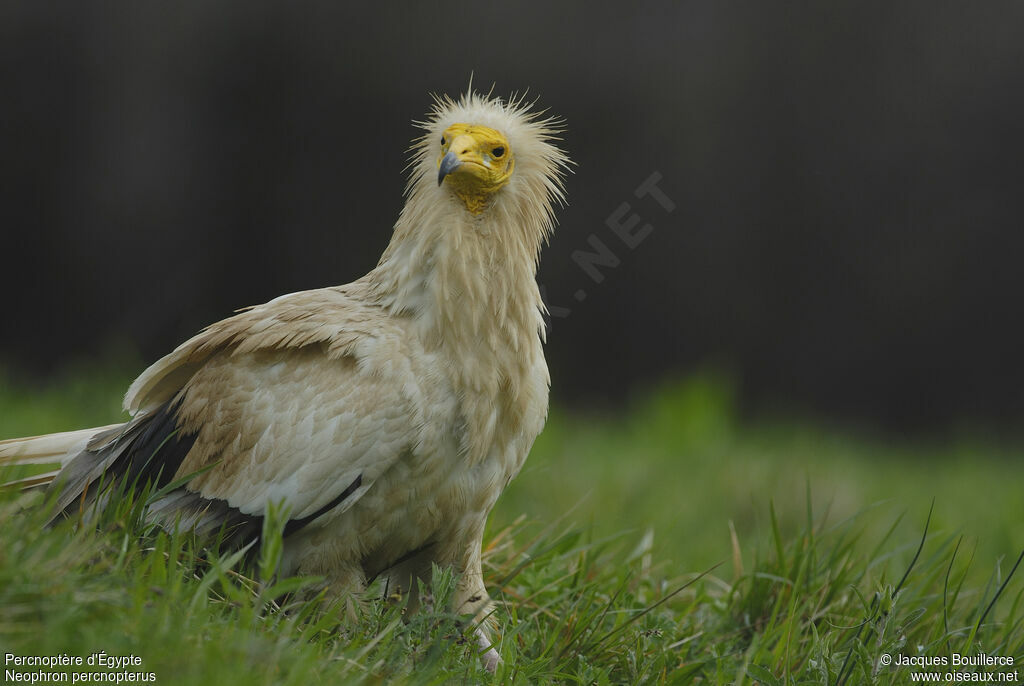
(150, 450)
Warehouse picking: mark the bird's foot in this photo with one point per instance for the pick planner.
(488, 654)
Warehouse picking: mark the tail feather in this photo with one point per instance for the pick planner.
(52, 449)
(30, 482)
(147, 449)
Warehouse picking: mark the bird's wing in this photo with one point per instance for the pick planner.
(306, 399)
(329, 316)
(293, 426)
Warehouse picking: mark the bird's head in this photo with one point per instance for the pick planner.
(484, 180)
(485, 156)
(475, 161)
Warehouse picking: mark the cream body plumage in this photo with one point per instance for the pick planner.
(388, 414)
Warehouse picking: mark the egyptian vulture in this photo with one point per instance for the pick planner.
(387, 414)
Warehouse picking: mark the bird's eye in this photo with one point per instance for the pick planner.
(443, 141)
(498, 152)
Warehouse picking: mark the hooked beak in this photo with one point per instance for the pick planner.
(449, 163)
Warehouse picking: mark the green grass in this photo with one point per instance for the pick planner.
(670, 544)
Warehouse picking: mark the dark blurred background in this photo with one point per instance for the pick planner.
(848, 182)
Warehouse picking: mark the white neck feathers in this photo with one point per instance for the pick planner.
(468, 281)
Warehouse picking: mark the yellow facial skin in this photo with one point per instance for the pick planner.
(475, 162)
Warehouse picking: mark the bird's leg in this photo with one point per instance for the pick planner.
(344, 582)
(471, 598)
(407, 589)
(405, 577)
(488, 654)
